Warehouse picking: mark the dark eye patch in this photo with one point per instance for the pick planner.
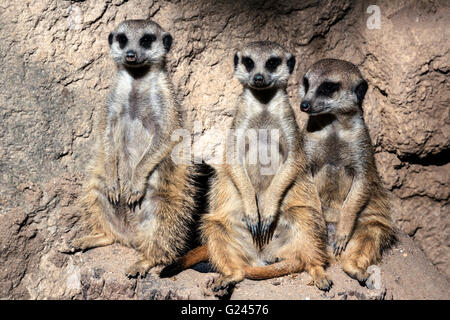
(305, 84)
(122, 39)
(273, 63)
(146, 40)
(248, 63)
(327, 88)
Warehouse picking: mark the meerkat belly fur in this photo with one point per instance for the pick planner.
(341, 160)
(136, 195)
(262, 224)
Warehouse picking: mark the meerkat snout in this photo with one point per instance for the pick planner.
(258, 80)
(130, 56)
(305, 106)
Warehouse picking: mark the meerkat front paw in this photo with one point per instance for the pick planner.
(266, 224)
(252, 220)
(112, 191)
(134, 190)
(339, 244)
(269, 208)
(341, 239)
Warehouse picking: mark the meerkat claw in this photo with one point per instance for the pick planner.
(266, 230)
(340, 244)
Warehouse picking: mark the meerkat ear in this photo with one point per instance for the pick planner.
(236, 60)
(167, 42)
(110, 38)
(360, 91)
(291, 63)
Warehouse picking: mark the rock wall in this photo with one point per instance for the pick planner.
(55, 73)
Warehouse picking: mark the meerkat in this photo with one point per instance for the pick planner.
(341, 161)
(262, 224)
(137, 195)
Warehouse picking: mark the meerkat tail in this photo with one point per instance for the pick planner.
(190, 259)
(274, 270)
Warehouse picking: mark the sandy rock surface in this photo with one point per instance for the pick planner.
(405, 273)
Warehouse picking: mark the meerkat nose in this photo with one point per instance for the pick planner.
(130, 55)
(305, 106)
(258, 78)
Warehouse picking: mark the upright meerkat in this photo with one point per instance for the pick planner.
(264, 218)
(136, 194)
(341, 160)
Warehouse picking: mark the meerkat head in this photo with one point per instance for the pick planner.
(137, 43)
(332, 86)
(263, 65)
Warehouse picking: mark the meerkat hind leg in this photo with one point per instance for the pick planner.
(354, 271)
(223, 285)
(226, 281)
(364, 248)
(358, 256)
(91, 241)
(320, 278)
(140, 268)
(232, 267)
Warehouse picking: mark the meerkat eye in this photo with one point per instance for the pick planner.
(146, 40)
(122, 39)
(327, 88)
(273, 63)
(248, 63)
(305, 84)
